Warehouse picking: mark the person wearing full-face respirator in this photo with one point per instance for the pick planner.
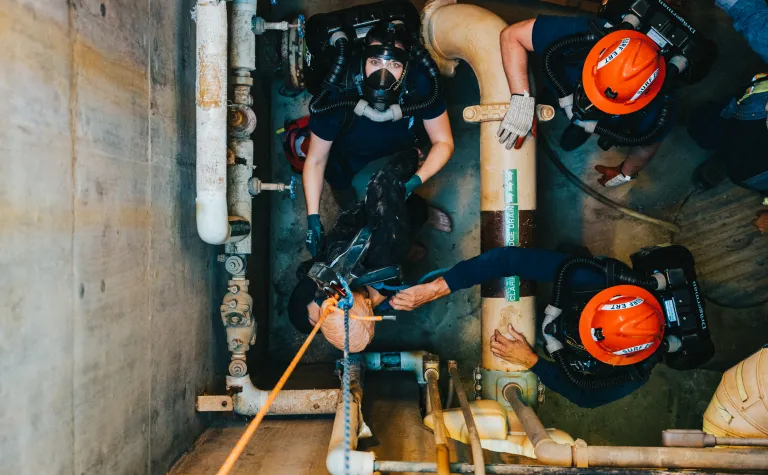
(380, 90)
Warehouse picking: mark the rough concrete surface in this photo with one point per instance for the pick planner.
(106, 301)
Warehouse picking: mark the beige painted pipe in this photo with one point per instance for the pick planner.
(507, 177)
(552, 453)
(739, 407)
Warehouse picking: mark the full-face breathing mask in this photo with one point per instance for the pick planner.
(386, 31)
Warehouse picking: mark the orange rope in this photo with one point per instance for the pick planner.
(254, 424)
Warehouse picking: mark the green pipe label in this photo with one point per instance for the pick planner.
(511, 230)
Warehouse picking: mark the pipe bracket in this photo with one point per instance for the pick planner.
(495, 113)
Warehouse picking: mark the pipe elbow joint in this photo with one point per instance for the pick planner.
(212, 220)
(552, 453)
(360, 463)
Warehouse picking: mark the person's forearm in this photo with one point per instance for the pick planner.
(514, 57)
(750, 18)
(438, 156)
(638, 158)
(312, 181)
(529, 264)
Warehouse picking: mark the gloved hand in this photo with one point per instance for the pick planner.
(518, 121)
(612, 176)
(314, 234)
(410, 185)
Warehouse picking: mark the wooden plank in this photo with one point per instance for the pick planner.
(731, 259)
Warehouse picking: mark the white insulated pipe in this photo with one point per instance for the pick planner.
(211, 122)
(360, 463)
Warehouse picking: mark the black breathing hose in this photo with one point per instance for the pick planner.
(332, 79)
(422, 56)
(667, 98)
(552, 71)
(582, 381)
(621, 275)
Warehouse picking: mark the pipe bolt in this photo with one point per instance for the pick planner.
(232, 303)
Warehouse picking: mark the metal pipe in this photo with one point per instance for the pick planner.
(360, 463)
(213, 222)
(431, 374)
(507, 177)
(474, 437)
(550, 452)
(249, 399)
(412, 361)
(697, 438)
(387, 466)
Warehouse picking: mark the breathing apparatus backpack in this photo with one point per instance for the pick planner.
(333, 71)
(636, 52)
(614, 334)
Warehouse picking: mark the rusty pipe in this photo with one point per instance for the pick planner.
(474, 437)
(547, 450)
(697, 438)
(431, 374)
(550, 452)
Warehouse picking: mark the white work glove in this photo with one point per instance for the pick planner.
(518, 121)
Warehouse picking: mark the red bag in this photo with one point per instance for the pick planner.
(296, 143)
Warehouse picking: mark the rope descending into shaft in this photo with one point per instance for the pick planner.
(254, 424)
(347, 395)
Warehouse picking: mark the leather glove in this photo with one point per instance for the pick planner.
(518, 121)
(612, 176)
(410, 185)
(315, 234)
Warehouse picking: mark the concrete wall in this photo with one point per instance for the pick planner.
(105, 305)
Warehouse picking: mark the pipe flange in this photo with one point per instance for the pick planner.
(235, 265)
(242, 120)
(238, 368)
(580, 454)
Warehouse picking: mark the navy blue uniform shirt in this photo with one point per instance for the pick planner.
(548, 29)
(357, 141)
(540, 265)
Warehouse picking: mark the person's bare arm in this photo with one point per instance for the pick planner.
(439, 131)
(418, 295)
(639, 156)
(314, 170)
(516, 42)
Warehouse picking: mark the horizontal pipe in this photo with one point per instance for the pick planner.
(250, 399)
(552, 453)
(701, 439)
(412, 361)
(678, 457)
(387, 466)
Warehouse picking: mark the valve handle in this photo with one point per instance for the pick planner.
(292, 188)
(300, 25)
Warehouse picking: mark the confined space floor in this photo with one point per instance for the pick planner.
(731, 256)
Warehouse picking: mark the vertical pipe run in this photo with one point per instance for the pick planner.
(211, 122)
(507, 177)
(441, 435)
(469, 420)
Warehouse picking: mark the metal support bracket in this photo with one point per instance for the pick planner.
(214, 404)
(496, 112)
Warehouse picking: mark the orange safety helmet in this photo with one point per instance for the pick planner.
(622, 325)
(623, 72)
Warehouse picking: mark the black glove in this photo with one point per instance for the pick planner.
(315, 234)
